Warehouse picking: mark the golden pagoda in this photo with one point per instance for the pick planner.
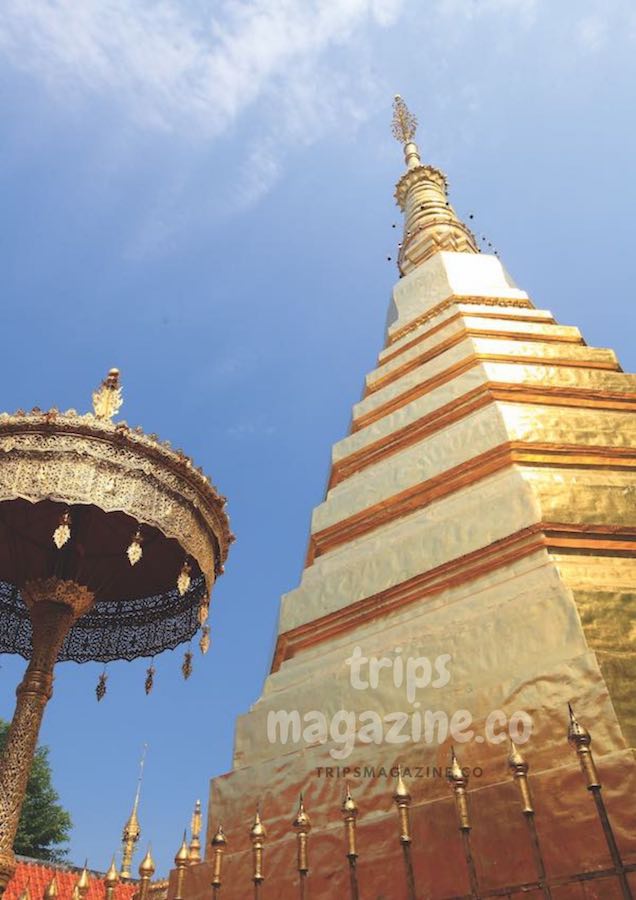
(470, 573)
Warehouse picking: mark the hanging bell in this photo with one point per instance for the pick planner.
(186, 665)
(183, 581)
(150, 679)
(100, 690)
(135, 551)
(204, 612)
(63, 531)
(204, 642)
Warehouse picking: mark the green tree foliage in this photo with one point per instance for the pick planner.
(44, 824)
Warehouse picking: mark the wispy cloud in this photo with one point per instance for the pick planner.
(591, 32)
(170, 64)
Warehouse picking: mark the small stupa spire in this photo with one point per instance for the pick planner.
(132, 828)
(430, 222)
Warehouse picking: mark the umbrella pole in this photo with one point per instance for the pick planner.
(53, 608)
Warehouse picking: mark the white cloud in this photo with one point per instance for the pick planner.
(592, 32)
(524, 10)
(169, 64)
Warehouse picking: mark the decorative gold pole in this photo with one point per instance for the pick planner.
(402, 800)
(146, 871)
(257, 837)
(219, 843)
(459, 782)
(349, 815)
(302, 827)
(580, 739)
(195, 839)
(25, 894)
(111, 880)
(519, 769)
(181, 862)
(54, 606)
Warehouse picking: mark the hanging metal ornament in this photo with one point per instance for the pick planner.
(135, 551)
(100, 690)
(204, 642)
(183, 581)
(150, 679)
(63, 531)
(186, 665)
(204, 612)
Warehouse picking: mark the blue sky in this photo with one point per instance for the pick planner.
(201, 194)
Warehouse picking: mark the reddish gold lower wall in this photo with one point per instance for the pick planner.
(569, 831)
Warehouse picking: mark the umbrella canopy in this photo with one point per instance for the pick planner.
(75, 493)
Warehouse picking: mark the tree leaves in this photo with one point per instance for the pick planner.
(44, 824)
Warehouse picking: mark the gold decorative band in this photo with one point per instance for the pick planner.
(450, 301)
(464, 475)
(459, 317)
(538, 359)
(467, 568)
(519, 393)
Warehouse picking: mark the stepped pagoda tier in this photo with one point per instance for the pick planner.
(474, 554)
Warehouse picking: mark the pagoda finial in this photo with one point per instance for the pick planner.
(107, 398)
(430, 222)
(132, 828)
(404, 126)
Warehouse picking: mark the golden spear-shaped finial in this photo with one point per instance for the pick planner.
(181, 862)
(219, 843)
(50, 892)
(459, 783)
(195, 840)
(111, 880)
(25, 893)
(146, 871)
(402, 798)
(349, 811)
(580, 738)
(519, 769)
(83, 882)
(302, 827)
(349, 815)
(107, 399)
(257, 837)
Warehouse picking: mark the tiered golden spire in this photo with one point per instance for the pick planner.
(430, 223)
(132, 828)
